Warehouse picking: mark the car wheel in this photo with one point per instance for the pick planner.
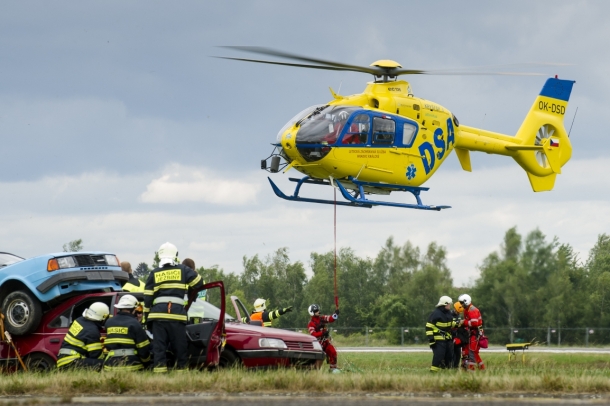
(22, 312)
(39, 362)
(228, 359)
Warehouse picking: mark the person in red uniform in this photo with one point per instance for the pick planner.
(317, 328)
(474, 324)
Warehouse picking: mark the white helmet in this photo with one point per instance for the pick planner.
(313, 309)
(127, 302)
(444, 301)
(260, 305)
(168, 254)
(465, 300)
(98, 311)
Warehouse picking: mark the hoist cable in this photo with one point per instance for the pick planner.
(335, 276)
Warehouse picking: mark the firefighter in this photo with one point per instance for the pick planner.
(317, 328)
(82, 346)
(261, 314)
(133, 284)
(127, 343)
(474, 324)
(438, 331)
(460, 335)
(164, 302)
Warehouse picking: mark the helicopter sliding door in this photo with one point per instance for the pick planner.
(365, 145)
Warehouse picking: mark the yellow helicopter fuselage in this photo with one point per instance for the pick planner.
(408, 138)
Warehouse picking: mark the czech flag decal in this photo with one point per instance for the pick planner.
(554, 142)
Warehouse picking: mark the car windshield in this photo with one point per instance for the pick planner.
(325, 126)
(201, 308)
(8, 259)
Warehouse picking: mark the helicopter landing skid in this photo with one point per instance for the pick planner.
(295, 197)
(358, 199)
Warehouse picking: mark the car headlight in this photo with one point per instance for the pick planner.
(272, 343)
(111, 260)
(66, 262)
(60, 263)
(317, 345)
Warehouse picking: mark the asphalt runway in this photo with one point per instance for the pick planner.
(535, 349)
(305, 400)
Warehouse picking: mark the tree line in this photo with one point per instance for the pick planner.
(530, 281)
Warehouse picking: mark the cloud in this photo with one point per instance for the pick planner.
(180, 184)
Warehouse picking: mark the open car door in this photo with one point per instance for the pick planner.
(206, 336)
(240, 309)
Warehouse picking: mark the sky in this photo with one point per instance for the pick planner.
(117, 125)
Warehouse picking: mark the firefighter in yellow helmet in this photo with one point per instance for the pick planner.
(164, 302)
(459, 333)
(260, 313)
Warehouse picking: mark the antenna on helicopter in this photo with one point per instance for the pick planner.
(574, 118)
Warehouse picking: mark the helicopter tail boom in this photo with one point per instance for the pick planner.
(541, 146)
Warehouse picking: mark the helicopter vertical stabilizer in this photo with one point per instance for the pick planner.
(541, 146)
(544, 129)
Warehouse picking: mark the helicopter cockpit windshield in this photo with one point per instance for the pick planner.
(324, 126)
(296, 118)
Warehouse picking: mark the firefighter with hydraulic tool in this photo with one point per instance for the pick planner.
(474, 324)
(261, 314)
(82, 346)
(164, 307)
(438, 331)
(317, 328)
(126, 341)
(459, 333)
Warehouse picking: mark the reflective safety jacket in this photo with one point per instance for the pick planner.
(266, 317)
(82, 341)
(472, 319)
(439, 325)
(133, 285)
(165, 290)
(127, 343)
(317, 325)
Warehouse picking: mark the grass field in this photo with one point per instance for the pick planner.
(362, 373)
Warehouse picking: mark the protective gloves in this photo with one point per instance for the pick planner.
(288, 309)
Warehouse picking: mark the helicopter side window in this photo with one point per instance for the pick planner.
(358, 131)
(408, 132)
(383, 131)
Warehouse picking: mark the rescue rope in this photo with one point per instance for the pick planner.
(335, 272)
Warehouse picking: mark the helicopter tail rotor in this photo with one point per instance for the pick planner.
(544, 130)
(541, 146)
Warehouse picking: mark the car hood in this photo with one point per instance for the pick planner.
(269, 332)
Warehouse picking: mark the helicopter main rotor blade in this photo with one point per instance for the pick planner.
(296, 64)
(316, 63)
(287, 55)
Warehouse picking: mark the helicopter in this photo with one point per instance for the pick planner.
(386, 140)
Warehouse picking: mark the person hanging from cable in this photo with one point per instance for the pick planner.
(317, 328)
(260, 313)
(474, 323)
